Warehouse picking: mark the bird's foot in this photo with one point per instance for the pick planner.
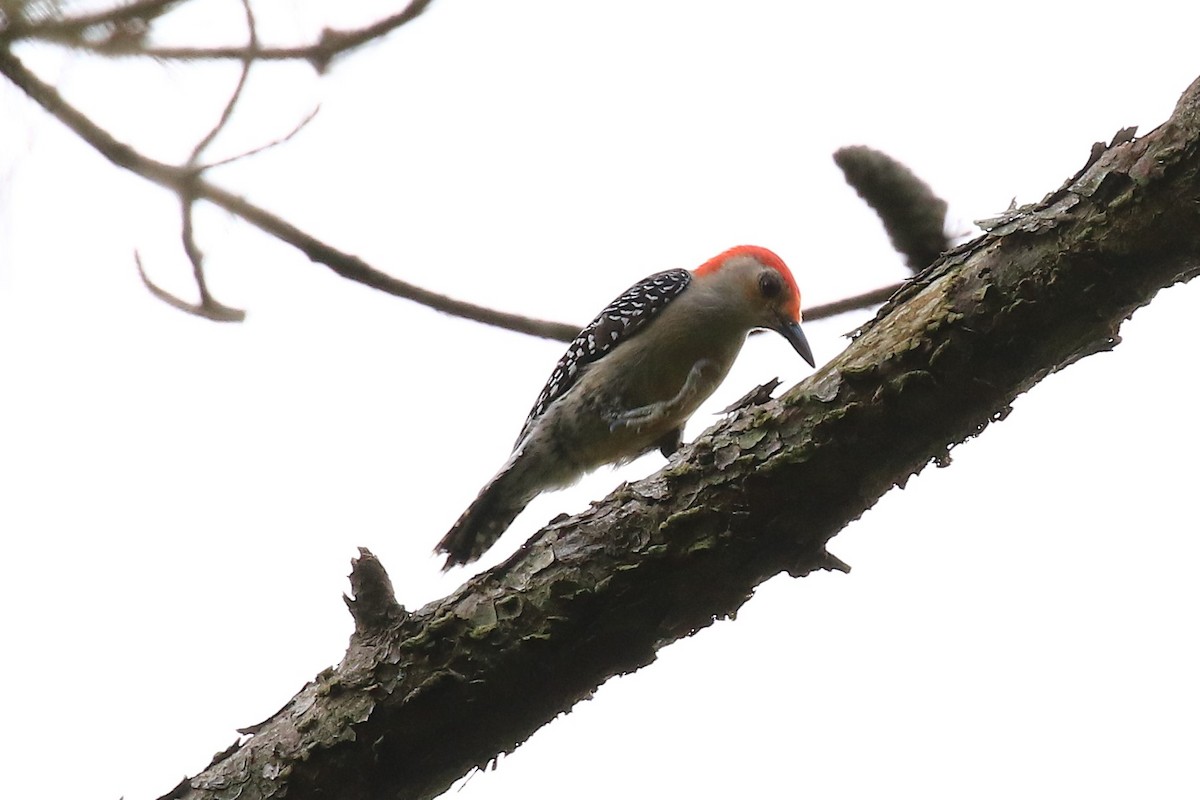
(648, 415)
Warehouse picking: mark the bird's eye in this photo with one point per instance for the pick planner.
(769, 284)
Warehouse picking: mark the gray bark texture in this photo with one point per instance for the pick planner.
(422, 698)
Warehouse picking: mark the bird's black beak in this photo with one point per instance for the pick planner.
(795, 336)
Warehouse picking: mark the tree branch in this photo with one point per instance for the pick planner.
(852, 303)
(227, 112)
(422, 698)
(189, 185)
(208, 307)
(185, 181)
(67, 29)
(913, 216)
(70, 32)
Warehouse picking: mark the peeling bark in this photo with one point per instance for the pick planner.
(422, 698)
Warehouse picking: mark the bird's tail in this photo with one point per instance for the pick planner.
(498, 504)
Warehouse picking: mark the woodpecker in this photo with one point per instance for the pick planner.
(629, 381)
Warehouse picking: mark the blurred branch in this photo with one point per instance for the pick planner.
(301, 125)
(188, 182)
(227, 112)
(914, 217)
(332, 43)
(117, 24)
(422, 698)
(127, 22)
(208, 308)
(853, 303)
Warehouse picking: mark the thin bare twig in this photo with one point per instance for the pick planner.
(252, 27)
(180, 180)
(263, 148)
(185, 182)
(330, 44)
(231, 104)
(208, 307)
(212, 310)
(865, 300)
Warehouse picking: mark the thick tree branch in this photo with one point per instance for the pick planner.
(422, 698)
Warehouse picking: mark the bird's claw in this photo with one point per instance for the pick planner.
(644, 416)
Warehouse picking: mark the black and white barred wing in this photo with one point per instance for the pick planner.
(623, 317)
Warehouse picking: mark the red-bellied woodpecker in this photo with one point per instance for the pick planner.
(631, 379)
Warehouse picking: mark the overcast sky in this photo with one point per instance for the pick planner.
(180, 500)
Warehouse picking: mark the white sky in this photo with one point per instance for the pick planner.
(180, 500)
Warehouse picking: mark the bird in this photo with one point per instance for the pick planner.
(630, 380)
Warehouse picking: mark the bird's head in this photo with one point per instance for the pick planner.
(769, 294)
